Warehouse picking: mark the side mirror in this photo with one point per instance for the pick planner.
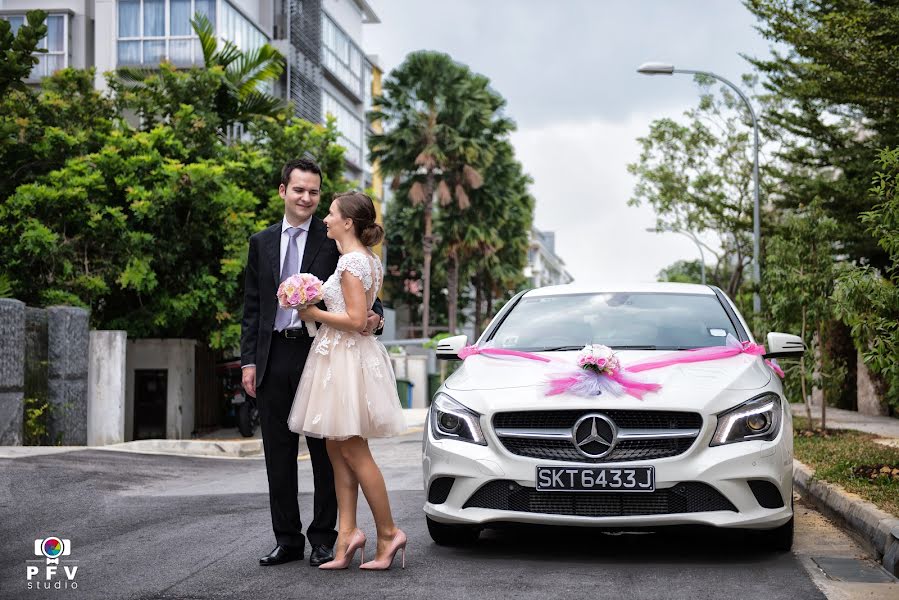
(448, 348)
(784, 345)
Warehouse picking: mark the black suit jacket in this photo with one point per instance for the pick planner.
(263, 275)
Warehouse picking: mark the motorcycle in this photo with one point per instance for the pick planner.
(247, 413)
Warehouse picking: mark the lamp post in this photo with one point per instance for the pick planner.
(666, 69)
(695, 241)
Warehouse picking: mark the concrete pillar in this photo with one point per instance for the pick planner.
(869, 395)
(106, 388)
(68, 341)
(12, 370)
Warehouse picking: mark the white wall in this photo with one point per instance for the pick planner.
(347, 15)
(104, 40)
(177, 357)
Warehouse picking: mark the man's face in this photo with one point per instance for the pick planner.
(301, 196)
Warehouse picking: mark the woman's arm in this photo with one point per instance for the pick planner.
(356, 315)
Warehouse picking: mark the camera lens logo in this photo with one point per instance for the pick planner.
(52, 547)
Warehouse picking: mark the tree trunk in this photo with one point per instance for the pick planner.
(805, 396)
(452, 288)
(820, 359)
(477, 308)
(427, 244)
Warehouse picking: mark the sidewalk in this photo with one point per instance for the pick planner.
(222, 443)
(877, 528)
(838, 418)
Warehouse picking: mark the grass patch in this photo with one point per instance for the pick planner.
(848, 459)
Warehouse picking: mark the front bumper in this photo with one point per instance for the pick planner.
(683, 482)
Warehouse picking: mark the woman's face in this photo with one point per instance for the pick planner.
(338, 227)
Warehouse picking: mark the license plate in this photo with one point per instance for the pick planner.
(595, 479)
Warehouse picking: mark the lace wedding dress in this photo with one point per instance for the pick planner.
(348, 387)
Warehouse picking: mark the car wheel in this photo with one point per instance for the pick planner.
(452, 535)
(244, 420)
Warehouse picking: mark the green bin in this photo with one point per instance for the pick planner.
(433, 383)
(404, 391)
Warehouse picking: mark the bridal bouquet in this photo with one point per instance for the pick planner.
(299, 291)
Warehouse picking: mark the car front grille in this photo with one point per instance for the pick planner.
(635, 419)
(643, 434)
(688, 497)
(625, 450)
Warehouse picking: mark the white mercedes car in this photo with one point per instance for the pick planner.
(713, 446)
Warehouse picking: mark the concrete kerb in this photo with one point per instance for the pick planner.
(876, 528)
(213, 447)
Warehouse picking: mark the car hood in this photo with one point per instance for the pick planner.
(705, 379)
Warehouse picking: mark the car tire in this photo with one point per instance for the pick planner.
(245, 420)
(452, 535)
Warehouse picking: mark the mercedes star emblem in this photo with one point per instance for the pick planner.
(594, 435)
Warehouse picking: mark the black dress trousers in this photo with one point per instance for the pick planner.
(275, 396)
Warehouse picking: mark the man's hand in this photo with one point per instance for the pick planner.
(248, 379)
(371, 324)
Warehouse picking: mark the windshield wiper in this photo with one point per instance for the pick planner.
(560, 348)
(635, 347)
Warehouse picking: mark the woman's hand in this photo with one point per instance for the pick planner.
(309, 314)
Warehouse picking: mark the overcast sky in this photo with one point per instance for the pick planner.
(567, 70)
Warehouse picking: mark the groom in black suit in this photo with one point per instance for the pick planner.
(274, 345)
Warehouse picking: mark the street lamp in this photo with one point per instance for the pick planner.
(653, 68)
(692, 237)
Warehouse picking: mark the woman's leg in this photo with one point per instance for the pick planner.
(346, 487)
(357, 456)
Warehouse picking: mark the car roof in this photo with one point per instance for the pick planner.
(606, 288)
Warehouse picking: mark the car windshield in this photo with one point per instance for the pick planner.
(622, 320)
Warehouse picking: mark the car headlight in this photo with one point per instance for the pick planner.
(451, 420)
(755, 419)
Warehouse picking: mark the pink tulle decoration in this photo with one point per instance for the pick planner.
(775, 367)
(599, 370)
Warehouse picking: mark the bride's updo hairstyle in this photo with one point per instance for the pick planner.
(359, 207)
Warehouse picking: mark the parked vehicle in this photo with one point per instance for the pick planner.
(712, 446)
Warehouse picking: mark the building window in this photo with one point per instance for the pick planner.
(348, 124)
(151, 31)
(56, 43)
(240, 31)
(341, 56)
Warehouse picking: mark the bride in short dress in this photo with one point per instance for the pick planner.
(347, 393)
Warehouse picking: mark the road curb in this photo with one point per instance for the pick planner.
(878, 528)
(217, 448)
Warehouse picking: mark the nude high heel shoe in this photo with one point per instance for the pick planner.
(398, 543)
(357, 542)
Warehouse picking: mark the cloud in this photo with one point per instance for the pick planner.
(582, 188)
(567, 69)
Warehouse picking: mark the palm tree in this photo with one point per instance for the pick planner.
(439, 121)
(241, 97)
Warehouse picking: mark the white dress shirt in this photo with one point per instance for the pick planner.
(295, 321)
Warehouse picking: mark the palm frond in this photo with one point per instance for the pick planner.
(134, 74)
(206, 32)
(462, 197)
(258, 66)
(472, 177)
(443, 193)
(259, 103)
(417, 193)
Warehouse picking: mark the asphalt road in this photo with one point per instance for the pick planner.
(149, 526)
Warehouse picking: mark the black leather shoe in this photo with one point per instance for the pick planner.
(281, 555)
(320, 554)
